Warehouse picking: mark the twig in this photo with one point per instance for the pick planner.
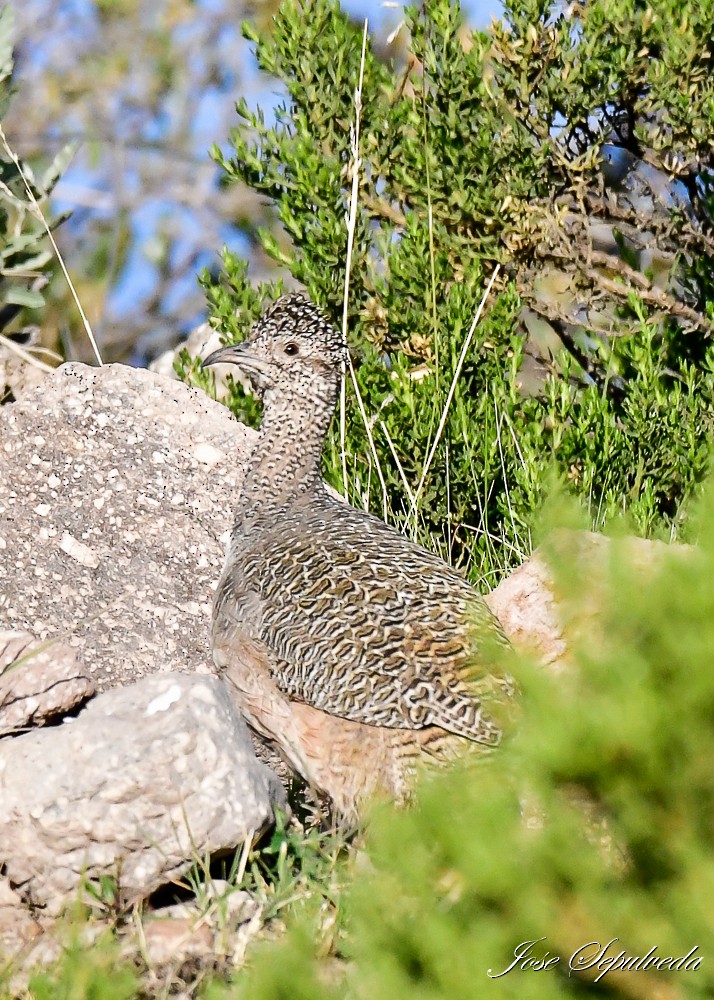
(648, 292)
(398, 464)
(26, 355)
(370, 437)
(384, 210)
(609, 384)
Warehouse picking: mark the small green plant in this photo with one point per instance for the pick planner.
(103, 894)
(99, 973)
(296, 864)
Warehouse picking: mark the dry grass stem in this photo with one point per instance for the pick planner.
(244, 855)
(43, 220)
(351, 226)
(452, 389)
(400, 470)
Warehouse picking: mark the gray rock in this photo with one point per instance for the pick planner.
(117, 488)
(38, 681)
(116, 491)
(146, 779)
(201, 341)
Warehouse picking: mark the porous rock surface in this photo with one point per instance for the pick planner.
(143, 781)
(116, 491)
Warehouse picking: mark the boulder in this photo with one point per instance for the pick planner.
(144, 781)
(116, 493)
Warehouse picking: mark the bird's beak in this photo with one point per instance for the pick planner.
(256, 368)
(232, 354)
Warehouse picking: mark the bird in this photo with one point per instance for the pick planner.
(355, 651)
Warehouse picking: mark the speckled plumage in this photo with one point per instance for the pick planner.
(323, 611)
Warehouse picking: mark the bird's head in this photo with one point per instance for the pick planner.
(293, 347)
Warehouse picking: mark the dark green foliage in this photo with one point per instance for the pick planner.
(485, 148)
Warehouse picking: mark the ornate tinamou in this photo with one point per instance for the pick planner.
(352, 649)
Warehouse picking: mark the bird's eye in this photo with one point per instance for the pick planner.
(291, 349)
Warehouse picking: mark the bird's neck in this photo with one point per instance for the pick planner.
(286, 461)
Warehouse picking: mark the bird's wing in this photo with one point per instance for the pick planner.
(388, 638)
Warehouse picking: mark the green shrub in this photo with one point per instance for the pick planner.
(483, 148)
